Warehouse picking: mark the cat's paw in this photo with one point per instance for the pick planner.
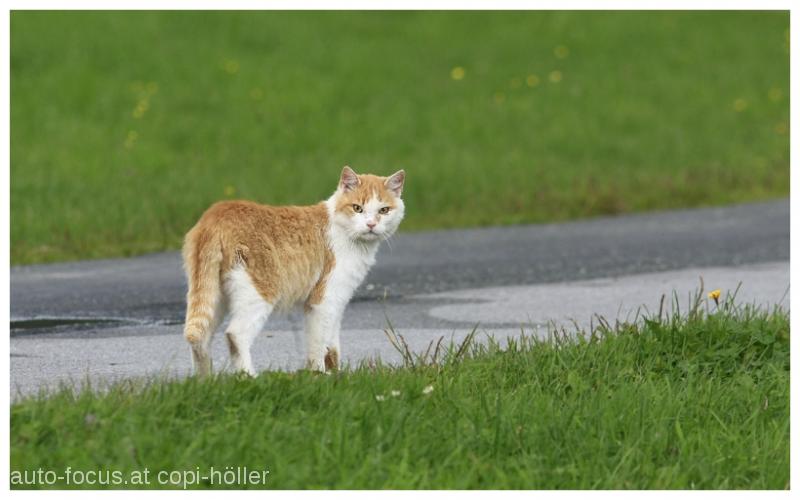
(332, 359)
(316, 365)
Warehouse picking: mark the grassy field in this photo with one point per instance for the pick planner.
(698, 402)
(126, 126)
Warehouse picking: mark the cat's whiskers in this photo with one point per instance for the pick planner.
(388, 239)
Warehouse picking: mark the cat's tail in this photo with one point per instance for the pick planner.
(202, 258)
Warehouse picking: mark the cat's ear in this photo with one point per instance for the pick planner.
(394, 182)
(349, 179)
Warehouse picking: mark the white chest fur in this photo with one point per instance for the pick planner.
(352, 263)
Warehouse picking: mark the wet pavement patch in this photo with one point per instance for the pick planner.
(33, 326)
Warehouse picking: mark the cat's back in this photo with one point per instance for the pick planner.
(283, 248)
(243, 217)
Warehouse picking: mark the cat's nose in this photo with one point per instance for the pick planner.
(371, 224)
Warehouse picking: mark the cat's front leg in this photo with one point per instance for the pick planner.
(322, 336)
(332, 349)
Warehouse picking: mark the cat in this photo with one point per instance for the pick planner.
(245, 259)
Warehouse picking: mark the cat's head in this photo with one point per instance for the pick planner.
(368, 207)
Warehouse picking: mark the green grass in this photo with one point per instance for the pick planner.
(125, 126)
(697, 402)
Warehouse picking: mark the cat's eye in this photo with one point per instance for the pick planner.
(357, 208)
(384, 210)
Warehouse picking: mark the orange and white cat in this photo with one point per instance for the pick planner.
(246, 259)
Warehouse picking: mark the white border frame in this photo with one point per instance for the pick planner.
(366, 5)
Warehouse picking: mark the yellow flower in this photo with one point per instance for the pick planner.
(714, 294)
(775, 94)
(561, 51)
(739, 105)
(532, 80)
(141, 108)
(457, 73)
(130, 140)
(427, 390)
(230, 190)
(256, 94)
(231, 66)
(555, 76)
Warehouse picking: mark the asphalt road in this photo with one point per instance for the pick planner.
(121, 318)
(152, 287)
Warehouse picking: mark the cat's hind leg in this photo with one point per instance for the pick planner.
(199, 332)
(249, 312)
(240, 334)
